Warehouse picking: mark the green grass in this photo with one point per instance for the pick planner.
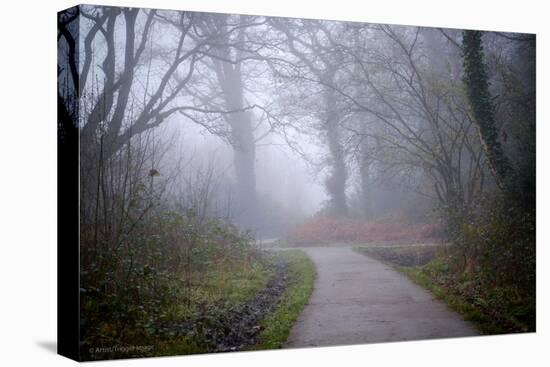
(491, 311)
(497, 310)
(470, 312)
(276, 326)
(239, 286)
(221, 289)
(236, 285)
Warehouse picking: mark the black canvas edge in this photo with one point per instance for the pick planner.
(68, 244)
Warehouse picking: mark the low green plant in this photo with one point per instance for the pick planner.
(168, 270)
(493, 309)
(301, 276)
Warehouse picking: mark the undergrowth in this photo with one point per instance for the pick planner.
(276, 326)
(493, 310)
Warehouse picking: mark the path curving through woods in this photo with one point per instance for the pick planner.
(360, 300)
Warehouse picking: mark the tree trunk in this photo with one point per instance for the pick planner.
(364, 164)
(230, 77)
(336, 182)
(477, 89)
(244, 155)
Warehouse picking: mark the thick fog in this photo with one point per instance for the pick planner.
(268, 121)
(286, 183)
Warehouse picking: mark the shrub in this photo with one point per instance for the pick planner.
(129, 289)
(322, 229)
(498, 242)
(491, 262)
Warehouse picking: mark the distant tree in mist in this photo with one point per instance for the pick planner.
(225, 63)
(310, 43)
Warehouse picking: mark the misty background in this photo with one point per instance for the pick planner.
(282, 119)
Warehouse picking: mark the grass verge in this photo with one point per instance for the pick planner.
(276, 326)
(420, 275)
(223, 292)
(491, 310)
(219, 292)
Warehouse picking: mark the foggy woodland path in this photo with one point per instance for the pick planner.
(359, 300)
(200, 134)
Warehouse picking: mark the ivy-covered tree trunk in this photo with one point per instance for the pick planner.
(335, 183)
(477, 90)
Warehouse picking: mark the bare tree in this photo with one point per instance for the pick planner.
(422, 117)
(226, 60)
(310, 42)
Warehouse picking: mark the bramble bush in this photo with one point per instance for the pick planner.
(152, 258)
(322, 229)
(130, 291)
(494, 248)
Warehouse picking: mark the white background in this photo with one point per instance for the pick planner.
(28, 182)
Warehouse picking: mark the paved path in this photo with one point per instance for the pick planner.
(360, 300)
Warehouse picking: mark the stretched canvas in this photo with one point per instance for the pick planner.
(237, 182)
